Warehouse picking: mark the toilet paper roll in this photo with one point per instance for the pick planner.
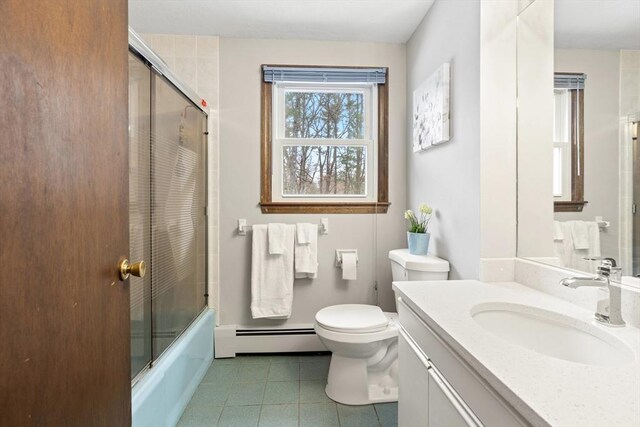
(349, 266)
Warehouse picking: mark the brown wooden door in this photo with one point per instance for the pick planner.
(64, 315)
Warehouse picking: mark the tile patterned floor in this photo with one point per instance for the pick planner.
(276, 391)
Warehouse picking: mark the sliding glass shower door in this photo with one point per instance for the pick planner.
(140, 210)
(167, 216)
(177, 213)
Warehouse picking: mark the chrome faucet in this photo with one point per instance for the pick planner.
(609, 311)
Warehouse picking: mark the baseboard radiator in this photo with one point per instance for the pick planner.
(232, 340)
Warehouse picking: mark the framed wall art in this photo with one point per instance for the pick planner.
(431, 110)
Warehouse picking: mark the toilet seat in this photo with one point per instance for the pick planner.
(357, 336)
(352, 318)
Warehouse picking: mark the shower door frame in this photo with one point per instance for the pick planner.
(142, 51)
(635, 203)
(140, 48)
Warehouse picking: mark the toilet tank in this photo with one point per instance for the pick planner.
(405, 266)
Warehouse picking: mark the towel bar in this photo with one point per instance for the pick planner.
(323, 227)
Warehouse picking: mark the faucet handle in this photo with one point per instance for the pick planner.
(605, 260)
(607, 266)
(604, 268)
(608, 269)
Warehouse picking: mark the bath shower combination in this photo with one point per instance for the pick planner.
(167, 200)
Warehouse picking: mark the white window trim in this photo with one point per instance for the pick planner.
(565, 148)
(370, 141)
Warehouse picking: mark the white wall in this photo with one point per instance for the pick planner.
(448, 176)
(629, 105)
(498, 83)
(629, 82)
(601, 135)
(471, 180)
(372, 235)
(535, 127)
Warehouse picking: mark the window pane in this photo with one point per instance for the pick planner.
(562, 115)
(324, 169)
(336, 115)
(557, 172)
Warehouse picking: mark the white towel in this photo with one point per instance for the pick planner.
(306, 251)
(557, 231)
(563, 249)
(580, 235)
(575, 258)
(276, 238)
(304, 232)
(271, 275)
(593, 230)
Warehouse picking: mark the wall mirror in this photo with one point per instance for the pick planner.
(578, 70)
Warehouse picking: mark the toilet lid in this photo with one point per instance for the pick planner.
(353, 318)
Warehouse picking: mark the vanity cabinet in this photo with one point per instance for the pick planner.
(437, 388)
(425, 399)
(413, 395)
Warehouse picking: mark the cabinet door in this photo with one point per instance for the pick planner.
(446, 408)
(413, 385)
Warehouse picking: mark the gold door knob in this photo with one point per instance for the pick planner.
(137, 269)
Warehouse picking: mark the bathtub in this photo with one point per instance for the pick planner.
(159, 398)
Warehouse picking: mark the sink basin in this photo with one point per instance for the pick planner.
(552, 334)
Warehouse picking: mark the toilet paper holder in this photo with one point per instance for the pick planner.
(339, 253)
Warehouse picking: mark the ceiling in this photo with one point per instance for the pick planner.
(390, 21)
(579, 24)
(597, 24)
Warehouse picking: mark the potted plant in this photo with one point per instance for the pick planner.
(417, 235)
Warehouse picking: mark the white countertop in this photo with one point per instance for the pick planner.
(540, 387)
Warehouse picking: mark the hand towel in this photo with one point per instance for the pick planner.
(580, 235)
(563, 249)
(306, 251)
(557, 231)
(276, 238)
(271, 275)
(304, 232)
(593, 231)
(575, 258)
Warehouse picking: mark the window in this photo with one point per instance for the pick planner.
(562, 145)
(323, 144)
(324, 140)
(568, 142)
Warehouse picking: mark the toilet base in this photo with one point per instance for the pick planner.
(352, 382)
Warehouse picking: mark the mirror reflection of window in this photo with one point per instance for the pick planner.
(561, 145)
(585, 142)
(568, 142)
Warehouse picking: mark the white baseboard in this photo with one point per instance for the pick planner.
(225, 341)
(229, 342)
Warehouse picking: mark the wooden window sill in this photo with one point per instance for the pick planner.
(568, 206)
(329, 208)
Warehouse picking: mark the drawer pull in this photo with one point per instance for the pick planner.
(415, 348)
(457, 402)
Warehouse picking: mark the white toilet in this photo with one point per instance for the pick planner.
(364, 339)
